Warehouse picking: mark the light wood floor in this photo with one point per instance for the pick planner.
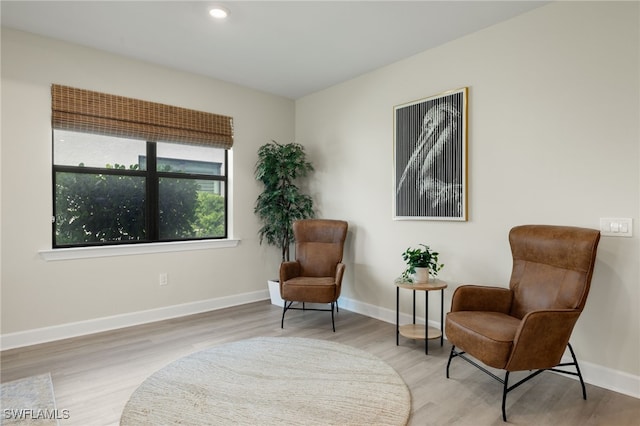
(93, 376)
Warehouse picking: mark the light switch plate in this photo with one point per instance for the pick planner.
(616, 226)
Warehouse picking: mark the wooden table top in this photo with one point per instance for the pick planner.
(431, 285)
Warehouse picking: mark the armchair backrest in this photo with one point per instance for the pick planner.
(552, 267)
(319, 245)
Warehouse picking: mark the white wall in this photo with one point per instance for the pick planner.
(36, 293)
(553, 138)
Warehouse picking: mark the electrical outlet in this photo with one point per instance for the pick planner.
(616, 226)
(164, 278)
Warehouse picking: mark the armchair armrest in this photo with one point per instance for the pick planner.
(542, 339)
(481, 298)
(289, 270)
(339, 273)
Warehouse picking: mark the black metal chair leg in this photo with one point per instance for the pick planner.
(505, 382)
(575, 361)
(453, 349)
(284, 311)
(333, 324)
(286, 306)
(505, 389)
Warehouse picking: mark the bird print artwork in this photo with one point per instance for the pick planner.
(430, 159)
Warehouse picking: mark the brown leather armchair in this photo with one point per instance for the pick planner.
(316, 274)
(528, 325)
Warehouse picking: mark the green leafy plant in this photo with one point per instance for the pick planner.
(281, 202)
(420, 258)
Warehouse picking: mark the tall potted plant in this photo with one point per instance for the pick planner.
(279, 168)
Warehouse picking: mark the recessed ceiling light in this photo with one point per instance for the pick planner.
(219, 12)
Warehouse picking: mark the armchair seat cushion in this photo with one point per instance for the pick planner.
(488, 336)
(310, 289)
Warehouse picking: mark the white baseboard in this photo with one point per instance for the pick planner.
(597, 375)
(74, 329)
(594, 374)
(608, 378)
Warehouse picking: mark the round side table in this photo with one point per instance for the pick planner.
(419, 331)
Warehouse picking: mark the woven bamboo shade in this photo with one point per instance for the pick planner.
(94, 112)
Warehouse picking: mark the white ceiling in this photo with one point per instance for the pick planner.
(288, 48)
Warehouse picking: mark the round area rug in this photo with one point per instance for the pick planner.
(272, 380)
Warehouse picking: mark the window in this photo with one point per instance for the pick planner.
(116, 188)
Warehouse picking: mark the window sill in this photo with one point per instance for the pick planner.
(133, 249)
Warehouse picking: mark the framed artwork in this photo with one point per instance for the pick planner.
(430, 158)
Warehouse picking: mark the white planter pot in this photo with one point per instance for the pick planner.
(274, 293)
(421, 275)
